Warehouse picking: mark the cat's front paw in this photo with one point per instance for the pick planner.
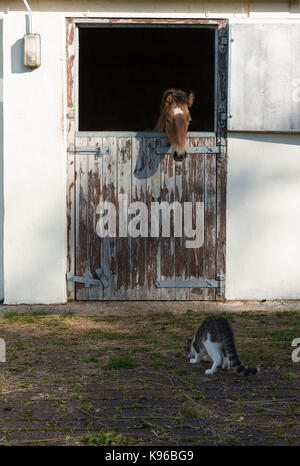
(193, 361)
(209, 371)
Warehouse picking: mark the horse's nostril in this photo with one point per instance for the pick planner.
(178, 158)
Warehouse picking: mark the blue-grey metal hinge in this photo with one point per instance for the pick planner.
(222, 115)
(220, 279)
(71, 114)
(223, 40)
(96, 151)
(102, 277)
(191, 150)
(187, 284)
(89, 280)
(193, 283)
(221, 156)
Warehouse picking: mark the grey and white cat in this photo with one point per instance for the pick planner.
(214, 340)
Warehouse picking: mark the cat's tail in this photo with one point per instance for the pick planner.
(234, 359)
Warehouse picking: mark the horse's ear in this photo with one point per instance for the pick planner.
(190, 98)
(169, 99)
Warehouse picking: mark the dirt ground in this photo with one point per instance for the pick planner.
(118, 374)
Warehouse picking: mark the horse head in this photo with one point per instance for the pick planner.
(175, 115)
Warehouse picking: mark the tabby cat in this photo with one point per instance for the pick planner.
(214, 340)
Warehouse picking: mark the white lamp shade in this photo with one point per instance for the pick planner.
(32, 50)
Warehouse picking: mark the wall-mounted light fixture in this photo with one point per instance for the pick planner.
(32, 45)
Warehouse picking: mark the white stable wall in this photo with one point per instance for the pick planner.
(34, 165)
(263, 249)
(213, 8)
(1, 163)
(263, 216)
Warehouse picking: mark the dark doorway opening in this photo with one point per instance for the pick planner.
(123, 72)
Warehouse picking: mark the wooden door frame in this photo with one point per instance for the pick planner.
(221, 80)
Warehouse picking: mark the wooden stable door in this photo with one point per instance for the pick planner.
(145, 267)
(131, 180)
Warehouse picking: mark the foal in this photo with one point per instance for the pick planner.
(174, 118)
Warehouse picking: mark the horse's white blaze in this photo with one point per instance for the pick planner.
(178, 110)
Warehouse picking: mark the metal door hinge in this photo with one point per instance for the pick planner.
(217, 283)
(191, 150)
(102, 277)
(96, 151)
(220, 280)
(88, 280)
(223, 40)
(221, 143)
(71, 114)
(222, 115)
(186, 284)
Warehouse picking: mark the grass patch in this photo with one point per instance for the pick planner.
(155, 316)
(68, 314)
(239, 402)
(189, 410)
(2, 383)
(157, 363)
(96, 335)
(106, 437)
(246, 315)
(281, 334)
(281, 314)
(123, 362)
(27, 317)
(88, 359)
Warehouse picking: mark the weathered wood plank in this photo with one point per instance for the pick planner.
(123, 288)
(109, 193)
(221, 219)
(168, 243)
(181, 252)
(71, 227)
(71, 159)
(94, 242)
(153, 194)
(138, 244)
(222, 83)
(210, 222)
(82, 260)
(197, 183)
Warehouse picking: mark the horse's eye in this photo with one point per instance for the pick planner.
(169, 121)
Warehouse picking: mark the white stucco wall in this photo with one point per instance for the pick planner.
(263, 221)
(34, 165)
(263, 170)
(1, 163)
(213, 8)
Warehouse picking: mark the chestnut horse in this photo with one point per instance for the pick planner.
(174, 118)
